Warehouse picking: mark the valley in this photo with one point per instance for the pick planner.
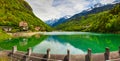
(80, 30)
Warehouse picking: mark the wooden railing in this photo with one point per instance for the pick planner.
(29, 56)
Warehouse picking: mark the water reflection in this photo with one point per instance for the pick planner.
(56, 47)
(76, 42)
(23, 42)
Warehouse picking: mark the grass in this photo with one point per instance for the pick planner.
(3, 35)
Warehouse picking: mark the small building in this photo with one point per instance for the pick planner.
(6, 28)
(37, 28)
(23, 25)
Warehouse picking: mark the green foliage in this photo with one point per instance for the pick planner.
(115, 10)
(105, 22)
(3, 35)
(14, 11)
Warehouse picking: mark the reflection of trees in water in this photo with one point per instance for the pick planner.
(96, 42)
(37, 35)
(23, 43)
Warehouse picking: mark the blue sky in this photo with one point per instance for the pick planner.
(50, 9)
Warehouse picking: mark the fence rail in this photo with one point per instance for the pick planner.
(29, 56)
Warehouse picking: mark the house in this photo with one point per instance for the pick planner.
(37, 28)
(23, 25)
(6, 28)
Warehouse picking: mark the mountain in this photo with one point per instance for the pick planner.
(97, 5)
(96, 8)
(55, 22)
(12, 12)
(116, 1)
(93, 10)
(105, 22)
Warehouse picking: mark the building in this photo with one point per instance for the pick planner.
(6, 28)
(37, 28)
(23, 25)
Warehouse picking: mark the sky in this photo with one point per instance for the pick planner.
(53, 9)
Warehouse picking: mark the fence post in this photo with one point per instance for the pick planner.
(29, 51)
(88, 56)
(119, 50)
(14, 49)
(107, 53)
(48, 54)
(68, 55)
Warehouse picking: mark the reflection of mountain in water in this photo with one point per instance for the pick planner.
(56, 46)
(78, 43)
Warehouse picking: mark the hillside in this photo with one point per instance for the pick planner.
(105, 22)
(12, 12)
(3, 35)
(92, 10)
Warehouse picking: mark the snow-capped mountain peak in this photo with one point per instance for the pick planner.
(98, 5)
(116, 1)
(94, 6)
(54, 22)
(67, 16)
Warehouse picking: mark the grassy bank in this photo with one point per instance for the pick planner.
(3, 35)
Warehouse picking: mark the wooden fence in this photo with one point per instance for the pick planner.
(29, 56)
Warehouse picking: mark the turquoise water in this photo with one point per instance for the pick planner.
(59, 42)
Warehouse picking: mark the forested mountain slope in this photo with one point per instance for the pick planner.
(105, 22)
(12, 12)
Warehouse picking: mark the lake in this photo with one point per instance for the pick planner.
(59, 42)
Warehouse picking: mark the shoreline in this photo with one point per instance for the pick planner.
(22, 34)
(29, 34)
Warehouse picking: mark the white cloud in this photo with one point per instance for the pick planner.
(49, 9)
